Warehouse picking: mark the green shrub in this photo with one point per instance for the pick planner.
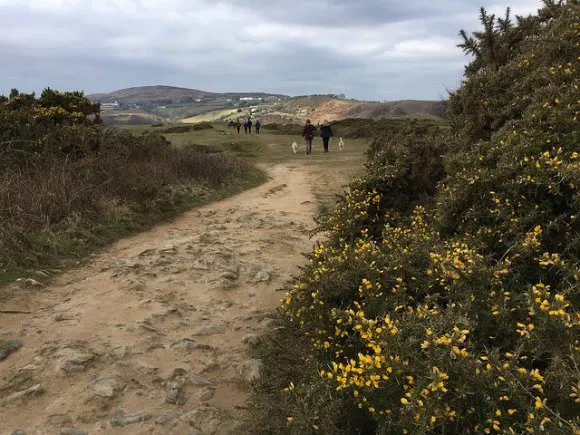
(446, 296)
(68, 184)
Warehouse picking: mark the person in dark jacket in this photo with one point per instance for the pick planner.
(249, 126)
(258, 125)
(308, 135)
(326, 134)
(238, 125)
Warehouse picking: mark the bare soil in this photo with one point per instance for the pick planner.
(152, 334)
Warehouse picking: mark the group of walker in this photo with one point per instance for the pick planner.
(247, 125)
(309, 131)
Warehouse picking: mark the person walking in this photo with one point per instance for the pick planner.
(249, 126)
(238, 125)
(308, 135)
(326, 134)
(258, 125)
(246, 127)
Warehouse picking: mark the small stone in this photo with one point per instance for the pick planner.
(120, 420)
(191, 345)
(146, 252)
(29, 282)
(41, 274)
(251, 340)
(28, 368)
(163, 420)
(32, 391)
(169, 250)
(250, 370)
(9, 346)
(206, 394)
(72, 360)
(18, 432)
(262, 277)
(199, 381)
(254, 269)
(229, 275)
(106, 387)
(137, 285)
(148, 326)
(176, 397)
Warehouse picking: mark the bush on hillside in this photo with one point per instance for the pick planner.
(446, 297)
(360, 128)
(67, 184)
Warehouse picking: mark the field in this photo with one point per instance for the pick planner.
(332, 170)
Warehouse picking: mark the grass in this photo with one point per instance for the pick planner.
(78, 236)
(214, 115)
(331, 170)
(56, 210)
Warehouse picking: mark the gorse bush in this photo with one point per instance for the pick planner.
(446, 296)
(354, 128)
(67, 184)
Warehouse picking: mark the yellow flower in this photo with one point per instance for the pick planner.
(535, 374)
(404, 401)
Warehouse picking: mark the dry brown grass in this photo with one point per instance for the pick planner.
(50, 204)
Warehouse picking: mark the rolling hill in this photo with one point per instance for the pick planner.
(147, 104)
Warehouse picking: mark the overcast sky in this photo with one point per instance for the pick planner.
(366, 49)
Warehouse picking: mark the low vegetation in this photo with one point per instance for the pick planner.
(358, 128)
(445, 297)
(67, 185)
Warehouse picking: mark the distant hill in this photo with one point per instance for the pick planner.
(161, 94)
(318, 108)
(151, 94)
(170, 104)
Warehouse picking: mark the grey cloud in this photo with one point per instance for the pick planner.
(373, 49)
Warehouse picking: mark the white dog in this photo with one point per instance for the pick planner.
(294, 147)
(340, 144)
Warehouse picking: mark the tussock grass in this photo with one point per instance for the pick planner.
(54, 207)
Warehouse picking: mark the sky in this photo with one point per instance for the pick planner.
(366, 49)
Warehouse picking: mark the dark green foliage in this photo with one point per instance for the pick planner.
(446, 296)
(67, 184)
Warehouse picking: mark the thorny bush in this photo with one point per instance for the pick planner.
(445, 297)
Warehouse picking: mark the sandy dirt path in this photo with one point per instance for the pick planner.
(152, 335)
